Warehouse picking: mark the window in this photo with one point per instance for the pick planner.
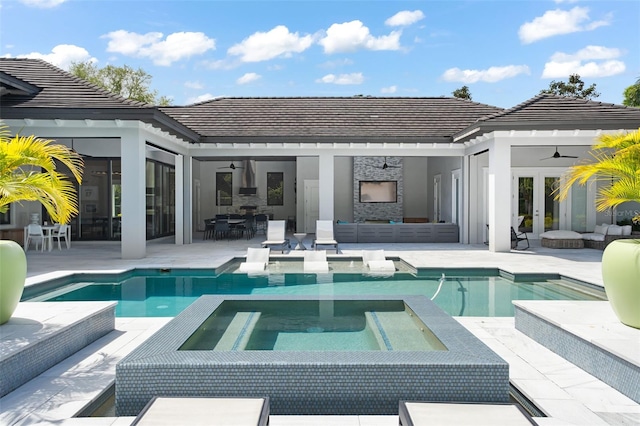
(5, 218)
(275, 188)
(223, 189)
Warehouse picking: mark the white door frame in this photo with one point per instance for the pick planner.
(311, 206)
(456, 196)
(437, 197)
(538, 174)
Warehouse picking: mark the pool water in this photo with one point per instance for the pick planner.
(313, 325)
(154, 293)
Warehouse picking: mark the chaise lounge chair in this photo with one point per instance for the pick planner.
(376, 261)
(443, 413)
(275, 235)
(256, 261)
(324, 234)
(198, 411)
(316, 261)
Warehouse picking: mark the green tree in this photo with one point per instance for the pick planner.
(124, 81)
(616, 162)
(28, 173)
(632, 95)
(573, 88)
(462, 93)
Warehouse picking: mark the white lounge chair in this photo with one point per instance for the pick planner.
(275, 235)
(256, 261)
(316, 261)
(376, 261)
(324, 234)
(199, 411)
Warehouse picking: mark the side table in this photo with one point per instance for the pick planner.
(299, 238)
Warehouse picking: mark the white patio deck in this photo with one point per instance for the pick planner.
(564, 392)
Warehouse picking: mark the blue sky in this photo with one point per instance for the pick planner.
(505, 51)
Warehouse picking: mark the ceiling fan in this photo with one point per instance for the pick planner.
(385, 166)
(230, 166)
(557, 155)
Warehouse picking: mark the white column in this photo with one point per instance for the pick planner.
(187, 200)
(465, 223)
(326, 177)
(179, 200)
(499, 196)
(134, 227)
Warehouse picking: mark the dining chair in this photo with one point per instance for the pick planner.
(63, 232)
(261, 223)
(35, 235)
(221, 229)
(209, 229)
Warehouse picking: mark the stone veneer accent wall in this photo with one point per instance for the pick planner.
(370, 168)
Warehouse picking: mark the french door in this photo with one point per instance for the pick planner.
(533, 194)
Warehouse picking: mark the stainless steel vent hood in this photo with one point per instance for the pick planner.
(248, 178)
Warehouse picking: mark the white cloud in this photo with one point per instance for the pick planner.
(193, 85)
(404, 18)
(592, 61)
(201, 98)
(337, 63)
(557, 22)
(221, 64)
(353, 78)
(491, 75)
(248, 78)
(278, 42)
(42, 4)
(351, 36)
(175, 47)
(390, 89)
(63, 55)
(589, 52)
(566, 1)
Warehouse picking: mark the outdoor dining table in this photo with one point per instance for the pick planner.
(47, 230)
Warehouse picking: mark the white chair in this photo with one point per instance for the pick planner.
(324, 234)
(376, 261)
(316, 261)
(35, 235)
(256, 261)
(63, 232)
(275, 235)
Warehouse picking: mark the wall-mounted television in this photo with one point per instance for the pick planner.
(380, 191)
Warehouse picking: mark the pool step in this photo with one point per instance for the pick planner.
(238, 332)
(396, 331)
(40, 335)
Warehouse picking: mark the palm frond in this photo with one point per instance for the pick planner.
(28, 172)
(616, 161)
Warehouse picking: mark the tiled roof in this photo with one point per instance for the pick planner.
(58, 89)
(344, 117)
(553, 109)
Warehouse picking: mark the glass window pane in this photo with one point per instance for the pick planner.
(525, 203)
(275, 188)
(551, 205)
(579, 208)
(224, 182)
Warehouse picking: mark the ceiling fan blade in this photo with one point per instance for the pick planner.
(568, 156)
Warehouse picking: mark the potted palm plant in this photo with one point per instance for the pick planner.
(616, 159)
(28, 172)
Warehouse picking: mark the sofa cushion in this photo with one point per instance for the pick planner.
(614, 230)
(593, 236)
(601, 229)
(626, 230)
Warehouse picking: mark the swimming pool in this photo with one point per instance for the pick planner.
(165, 293)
